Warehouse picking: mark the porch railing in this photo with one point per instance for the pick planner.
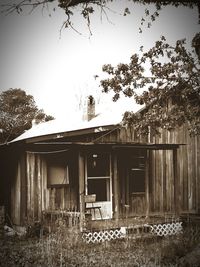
(53, 218)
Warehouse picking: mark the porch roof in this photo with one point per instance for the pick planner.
(111, 145)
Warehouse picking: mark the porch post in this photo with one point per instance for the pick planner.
(23, 189)
(81, 190)
(147, 182)
(176, 184)
(116, 187)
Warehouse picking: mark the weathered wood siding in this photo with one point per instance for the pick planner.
(188, 172)
(161, 174)
(17, 184)
(15, 197)
(30, 194)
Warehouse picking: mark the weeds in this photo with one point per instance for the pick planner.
(65, 248)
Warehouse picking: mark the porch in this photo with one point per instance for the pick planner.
(54, 177)
(135, 222)
(126, 184)
(96, 231)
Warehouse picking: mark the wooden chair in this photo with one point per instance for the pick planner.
(92, 199)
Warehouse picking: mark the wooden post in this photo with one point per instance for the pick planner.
(81, 190)
(39, 200)
(28, 175)
(116, 188)
(23, 189)
(32, 184)
(123, 183)
(176, 184)
(45, 190)
(17, 194)
(147, 182)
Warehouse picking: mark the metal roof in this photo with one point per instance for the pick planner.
(56, 128)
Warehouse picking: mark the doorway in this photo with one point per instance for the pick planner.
(136, 183)
(98, 182)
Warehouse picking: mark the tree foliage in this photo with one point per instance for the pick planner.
(17, 111)
(168, 75)
(87, 8)
(166, 80)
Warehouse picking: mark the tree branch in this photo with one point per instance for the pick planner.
(10, 7)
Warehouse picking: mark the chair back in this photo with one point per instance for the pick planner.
(90, 198)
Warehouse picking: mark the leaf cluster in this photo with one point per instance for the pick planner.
(166, 80)
(87, 8)
(17, 111)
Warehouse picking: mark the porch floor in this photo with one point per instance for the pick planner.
(130, 222)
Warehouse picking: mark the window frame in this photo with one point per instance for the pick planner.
(107, 178)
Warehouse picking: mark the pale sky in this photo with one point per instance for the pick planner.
(56, 69)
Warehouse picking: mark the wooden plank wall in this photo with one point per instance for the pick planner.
(15, 197)
(161, 168)
(30, 194)
(188, 173)
(35, 187)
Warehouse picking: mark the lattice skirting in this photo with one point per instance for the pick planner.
(108, 235)
(166, 229)
(101, 236)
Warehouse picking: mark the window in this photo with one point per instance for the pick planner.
(98, 165)
(137, 173)
(57, 172)
(137, 181)
(99, 187)
(58, 175)
(98, 175)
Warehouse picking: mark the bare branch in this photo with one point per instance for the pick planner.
(10, 7)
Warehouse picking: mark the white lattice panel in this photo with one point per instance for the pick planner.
(108, 235)
(101, 236)
(167, 229)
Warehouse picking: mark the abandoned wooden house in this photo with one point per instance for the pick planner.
(100, 167)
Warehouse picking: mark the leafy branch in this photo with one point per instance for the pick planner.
(166, 79)
(87, 8)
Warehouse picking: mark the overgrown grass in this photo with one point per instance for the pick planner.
(65, 248)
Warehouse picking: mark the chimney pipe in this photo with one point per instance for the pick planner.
(90, 108)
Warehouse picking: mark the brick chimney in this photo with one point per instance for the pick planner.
(89, 110)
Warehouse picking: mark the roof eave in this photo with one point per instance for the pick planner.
(60, 135)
